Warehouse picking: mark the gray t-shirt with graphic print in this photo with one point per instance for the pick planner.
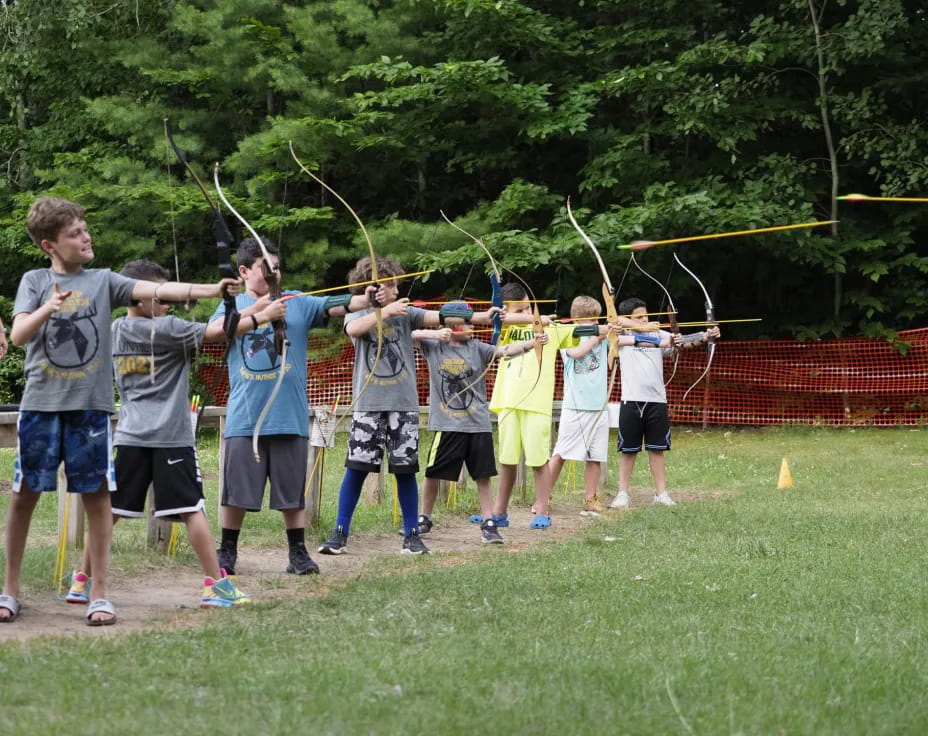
(393, 385)
(155, 407)
(452, 368)
(69, 360)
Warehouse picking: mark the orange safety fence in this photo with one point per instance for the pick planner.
(842, 382)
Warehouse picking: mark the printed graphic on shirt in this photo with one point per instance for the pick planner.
(455, 376)
(71, 340)
(259, 354)
(391, 368)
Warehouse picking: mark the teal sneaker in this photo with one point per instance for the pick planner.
(222, 594)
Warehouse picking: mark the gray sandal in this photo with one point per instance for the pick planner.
(101, 605)
(10, 604)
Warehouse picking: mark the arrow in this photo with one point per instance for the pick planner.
(868, 198)
(643, 244)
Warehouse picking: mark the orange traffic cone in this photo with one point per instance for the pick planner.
(786, 478)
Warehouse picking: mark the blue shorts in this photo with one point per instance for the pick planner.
(82, 439)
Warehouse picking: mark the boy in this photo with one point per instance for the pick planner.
(523, 396)
(460, 417)
(155, 444)
(643, 412)
(62, 315)
(255, 385)
(388, 414)
(583, 432)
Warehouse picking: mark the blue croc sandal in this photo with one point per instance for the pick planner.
(476, 519)
(502, 520)
(540, 522)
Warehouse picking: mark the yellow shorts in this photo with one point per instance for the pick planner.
(528, 431)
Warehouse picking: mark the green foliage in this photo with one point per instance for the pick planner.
(659, 119)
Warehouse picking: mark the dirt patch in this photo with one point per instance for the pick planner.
(168, 598)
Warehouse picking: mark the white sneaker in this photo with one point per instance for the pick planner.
(621, 501)
(664, 499)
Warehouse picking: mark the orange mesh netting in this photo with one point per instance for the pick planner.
(846, 382)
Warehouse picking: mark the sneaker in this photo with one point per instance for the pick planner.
(300, 561)
(222, 594)
(664, 499)
(413, 545)
(425, 524)
(337, 544)
(227, 559)
(80, 587)
(621, 501)
(490, 533)
(592, 506)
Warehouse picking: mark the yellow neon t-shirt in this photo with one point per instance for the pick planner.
(518, 385)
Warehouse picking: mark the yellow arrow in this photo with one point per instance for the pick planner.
(384, 280)
(642, 244)
(867, 198)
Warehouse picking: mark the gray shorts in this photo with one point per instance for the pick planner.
(283, 462)
(371, 431)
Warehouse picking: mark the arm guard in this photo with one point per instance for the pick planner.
(337, 300)
(694, 338)
(586, 330)
(643, 338)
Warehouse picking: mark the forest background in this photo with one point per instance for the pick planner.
(659, 119)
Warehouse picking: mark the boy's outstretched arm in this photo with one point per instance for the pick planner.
(177, 291)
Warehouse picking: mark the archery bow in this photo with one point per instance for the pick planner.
(223, 242)
(674, 327)
(710, 317)
(272, 279)
(375, 277)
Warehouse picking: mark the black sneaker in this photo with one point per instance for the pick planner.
(425, 524)
(300, 561)
(490, 533)
(413, 545)
(337, 544)
(227, 559)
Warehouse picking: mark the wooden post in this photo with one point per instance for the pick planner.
(222, 456)
(374, 486)
(74, 534)
(315, 464)
(159, 530)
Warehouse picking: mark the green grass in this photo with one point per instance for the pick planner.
(762, 611)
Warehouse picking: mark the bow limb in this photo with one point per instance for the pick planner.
(281, 343)
(496, 300)
(224, 241)
(496, 280)
(710, 317)
(612, 316)
(375, 276)
(674, 327)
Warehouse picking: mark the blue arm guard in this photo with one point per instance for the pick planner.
(654, 340)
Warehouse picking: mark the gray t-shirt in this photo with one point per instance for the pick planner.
(393, 386)
(69, 360)
(452, 367)
(643, 372)
(154, 409)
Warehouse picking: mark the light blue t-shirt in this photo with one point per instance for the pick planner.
(586, 379)
(254, 368)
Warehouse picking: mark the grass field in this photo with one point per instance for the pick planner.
(758, 611)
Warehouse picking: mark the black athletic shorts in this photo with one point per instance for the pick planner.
(643, 421)
(173, 473)
(451, 450)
